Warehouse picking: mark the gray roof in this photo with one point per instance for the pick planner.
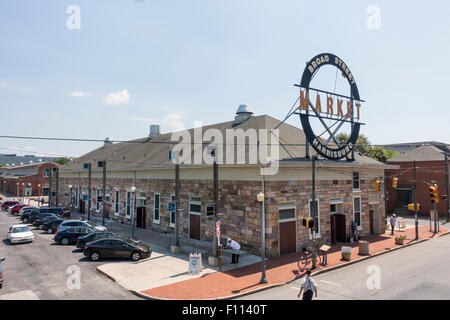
(422, 153)
(147, 153)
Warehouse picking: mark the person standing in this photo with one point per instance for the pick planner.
(231, 244)
(392, 221)
(355, 230)
(309, 285)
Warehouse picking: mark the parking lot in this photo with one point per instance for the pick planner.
(44, 269)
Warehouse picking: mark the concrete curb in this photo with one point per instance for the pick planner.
(145, 296)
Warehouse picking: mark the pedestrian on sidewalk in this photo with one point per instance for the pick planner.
(309, 285)
(355, 230)
(231, 244)
(42, 201)
(392, 221)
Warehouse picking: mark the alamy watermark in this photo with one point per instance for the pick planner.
(74, 20)
(74, 279)
(198, 147)
(374, 280)
(374, 19)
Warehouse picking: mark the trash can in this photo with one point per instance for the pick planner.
(363, 248)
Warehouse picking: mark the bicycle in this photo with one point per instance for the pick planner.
(306, 260)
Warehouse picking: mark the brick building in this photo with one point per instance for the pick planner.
(31, 179)
(344, 191)
(430, 166)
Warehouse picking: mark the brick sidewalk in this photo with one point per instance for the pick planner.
(278, 271)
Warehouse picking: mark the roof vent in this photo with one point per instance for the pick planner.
(107, 141)
(154, 131)
(243, 113)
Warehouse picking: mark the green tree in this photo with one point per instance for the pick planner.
(363, 145)
(62, 160)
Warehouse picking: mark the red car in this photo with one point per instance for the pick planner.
(7, 204)
(17, 208)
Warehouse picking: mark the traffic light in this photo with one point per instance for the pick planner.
(434, 197)
(444, 197)
(377, 185)
(411, 206)
(308, 223)
(394, 182)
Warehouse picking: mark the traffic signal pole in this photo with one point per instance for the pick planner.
(313, 231)
(415, 203)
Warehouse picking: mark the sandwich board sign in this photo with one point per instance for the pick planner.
(195, 263)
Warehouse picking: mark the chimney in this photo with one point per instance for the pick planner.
(154, 131)
(107, 141)
(243, 113)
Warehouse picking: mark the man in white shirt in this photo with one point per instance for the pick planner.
(236, 246)
(309, 285)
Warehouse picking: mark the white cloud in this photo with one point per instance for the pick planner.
(173, 122)
(117, 98)
(80, 94)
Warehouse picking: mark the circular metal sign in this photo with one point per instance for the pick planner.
(339, 109)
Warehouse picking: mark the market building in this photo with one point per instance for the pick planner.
(344, 189)
(430, 167)
(26, 180)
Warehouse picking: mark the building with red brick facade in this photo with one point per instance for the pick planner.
(26, 180)
(344, 191)
(430, 168)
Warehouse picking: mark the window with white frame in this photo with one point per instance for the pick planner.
(128, 204)
(156, 208)
(356, 181)
(117, 202)
(172, 214)
(316, 220)
(357, 210)
(108, 196)
(99, 199)
(195, 205)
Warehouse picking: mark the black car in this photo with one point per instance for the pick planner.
(27, 215)
(70, 235)
(39, 221)
(100, 235)
(56, 210)
(39, 216)
(51, 226)
(116, 248)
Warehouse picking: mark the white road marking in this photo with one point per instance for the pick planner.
(295, 288)
(332, 283)
(20, 295)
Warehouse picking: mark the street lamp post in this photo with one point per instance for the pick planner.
(133, 190)
(260, 198)
(29, 192)
(23, 191)
(39, 193)
(17, 193)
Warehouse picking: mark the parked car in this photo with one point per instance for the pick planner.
(44, 217)
(79, 223)
(20, 233)
(15, 210)
(51, 226)
(56, 210)
(71, 234)
(27, 215)
(40, 215)
(25, 209)
(99, 235)
(2, 277)
(7, 204)
(116, 248)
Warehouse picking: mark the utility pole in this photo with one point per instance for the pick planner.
(104, 193)
(57, 185)
(89, 191)
(177, 203)
(50, 182)
(216, 200)
(415, 203)
(314, 212)
(446, 184)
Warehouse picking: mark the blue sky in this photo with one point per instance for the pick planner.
(176, 62)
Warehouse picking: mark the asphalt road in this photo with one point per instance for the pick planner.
(420, 271)
(45, 270)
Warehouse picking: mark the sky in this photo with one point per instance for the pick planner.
(113, 68)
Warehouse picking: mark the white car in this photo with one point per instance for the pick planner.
(79, 223)
(20, 233)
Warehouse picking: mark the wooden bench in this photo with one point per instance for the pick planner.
(233, 251)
